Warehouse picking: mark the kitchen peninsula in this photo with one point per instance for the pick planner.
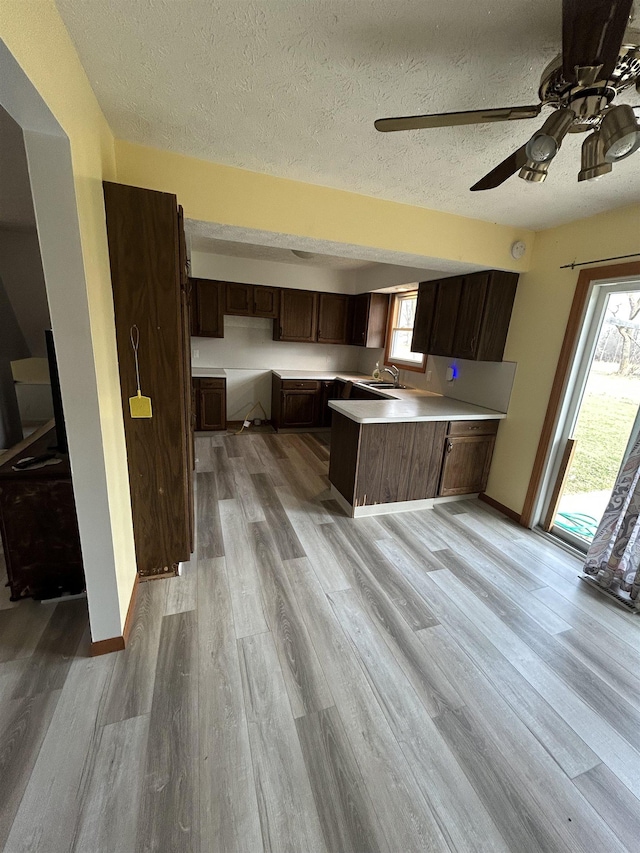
(407, 450)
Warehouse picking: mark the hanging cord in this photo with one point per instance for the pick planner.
(250, 412)
(134, 336)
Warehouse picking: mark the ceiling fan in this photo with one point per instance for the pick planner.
(598, 61)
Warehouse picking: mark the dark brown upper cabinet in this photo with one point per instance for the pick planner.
(265, 301)
(298, 316)
(425, 312)
(465, 316)
(250, 300)
(238, 299)
(207, 308)
(333, 314)
(368, 327)
(445, 316)
(469, 319)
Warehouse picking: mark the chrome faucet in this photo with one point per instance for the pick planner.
(394, 372)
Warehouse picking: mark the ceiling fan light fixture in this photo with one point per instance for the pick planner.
(545, 143)
(593, 163)
(534, 172)
(620, 133)
(300, 253)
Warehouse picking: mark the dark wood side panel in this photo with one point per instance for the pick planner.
(343, 462)
(501, 294)
(425, 310)
(142, 234)
(399, 462)
(427, 461)
(377, 323)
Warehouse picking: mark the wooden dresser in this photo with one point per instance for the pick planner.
(38, 523)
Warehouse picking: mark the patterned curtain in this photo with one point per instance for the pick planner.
(614, 556)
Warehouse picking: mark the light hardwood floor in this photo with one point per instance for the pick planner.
(429, 681)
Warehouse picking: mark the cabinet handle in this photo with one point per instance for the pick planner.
(473, 343)
(280, 331)
(472, 428)
(449, 447)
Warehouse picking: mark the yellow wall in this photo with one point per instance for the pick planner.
(223, 194)
(34, 33)
(537, 329)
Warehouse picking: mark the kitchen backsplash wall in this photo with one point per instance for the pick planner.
(248, 353)
(482, 383)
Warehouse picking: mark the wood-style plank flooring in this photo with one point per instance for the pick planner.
(428, 681)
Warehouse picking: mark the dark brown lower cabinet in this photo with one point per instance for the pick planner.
(211, 404)
(299, 409)
(467, 457)
(385, 463)
(389, 463)
(300, 403)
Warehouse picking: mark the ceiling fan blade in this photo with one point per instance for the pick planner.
(502, 171)
(592, 32)
(451, 119)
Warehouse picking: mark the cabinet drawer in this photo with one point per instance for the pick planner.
(473, 427)
(300, 385)
(206, 384)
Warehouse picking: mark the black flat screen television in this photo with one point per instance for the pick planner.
(61, 432)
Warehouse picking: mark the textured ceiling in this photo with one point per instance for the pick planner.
(271, 245)
(200, 242)
(292, 88)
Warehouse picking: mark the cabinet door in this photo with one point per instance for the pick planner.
(445, 317)
(332, 318)
(239, 299)
(208, 308)
(299, 408)
(425, 311)
(467, 460)
(501, 294)
(265, 301)
(470, 312)
(212, 409)
(359, 317)
(298, 316)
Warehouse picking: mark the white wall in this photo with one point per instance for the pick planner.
(248, 353)
(482, 383)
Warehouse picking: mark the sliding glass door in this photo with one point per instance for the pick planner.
(601, 416)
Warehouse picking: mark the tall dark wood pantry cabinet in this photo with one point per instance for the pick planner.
(151, 291)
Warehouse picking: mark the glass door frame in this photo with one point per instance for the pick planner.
(582, 360)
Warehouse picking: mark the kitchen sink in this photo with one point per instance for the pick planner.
(380, 383)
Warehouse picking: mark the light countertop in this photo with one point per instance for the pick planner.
(208, 373)
(320, 375)
(396, 405)
(411, 407)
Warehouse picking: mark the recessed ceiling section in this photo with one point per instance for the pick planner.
(270, 246)
(292, 89)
